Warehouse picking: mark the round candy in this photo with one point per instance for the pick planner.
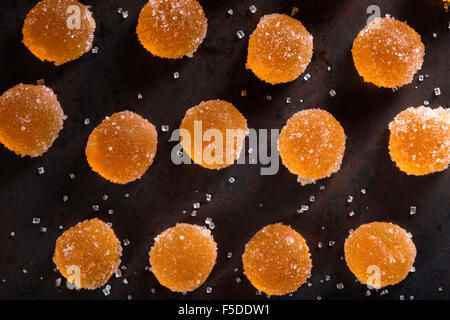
(183, 256)
(30, 119)
(312, 145)
(122, 147)
(279, 49)
(216, 132)
(172, 28)
(419, 141)
(59, 30)
(388, 53)
(379, 253)
(277, 260)
(88, 254)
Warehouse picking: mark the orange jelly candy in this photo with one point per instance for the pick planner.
(88, 254)
(277, 260)
(312, 145)
(279, 49)
(172, 28)
(204, 123)
(388, 53)
(183, 256)
(122, 147)
(30, 119)
(379, 253)
(419, 141)
(59, 31)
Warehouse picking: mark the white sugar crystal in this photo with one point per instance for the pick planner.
(412, 210)
(110, 211)
(420, 78)
(58, 282)
(288, 100)
(350, 199)
(351, 213)
(118, 273)
(232, 180)
(193, 213)
(208, 289)
(65, 198)
(363, 191)
(307, 77)
(106, 291)
(340, 286)
(105, 197)
(240, 34)
(12, 234)
(95, 207)
(95, 50)
(208, 197)
(229, 255)
(176, 75)
(36, 220)
(124, 14)
(312, 198)
(319, 244)
(253, 9)
(72, 175)
(41, 170)
(87, 121)
(196, 205)
(212, 226)
(269, 98)
(165, 128)
(140, 96)
(238, 280)
(437, 91)
(43, 229)
(331, 243)
(332, 93)
(208, 220)
(230, 12)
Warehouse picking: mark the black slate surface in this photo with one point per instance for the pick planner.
(98, 85)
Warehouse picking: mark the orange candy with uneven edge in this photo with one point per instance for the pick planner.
(379, 253)
(122, 147)
(388, 53)
(279, 49)
(30, 119)
(219, 115)
(172, 28)
(312, 145)
(419, 141)
(59, 31)
(88, 254)
(183, 256)
(277, 260)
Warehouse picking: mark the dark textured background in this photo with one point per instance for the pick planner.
(98, 85)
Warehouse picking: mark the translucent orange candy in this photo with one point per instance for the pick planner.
(379, 253)
(122, 147)
(388, 53)
(59, 31)
(279, 49)
(183, 256)
(419, 141)
(30, 119)
(172, 28)
(312, 145)
(277, 260)
(88, 254)
(215, 117)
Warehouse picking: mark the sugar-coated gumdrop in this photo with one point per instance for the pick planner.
(419, 141)
(279, 49)
(388, 53)
(122, 147)
(172, 28)
(59, 31)
(88, 254)
(216, 132)
(183, 256)
(379, 253)
(277, 260)
(30, 119)
(312, 145)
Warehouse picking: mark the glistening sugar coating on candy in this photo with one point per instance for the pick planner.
(388, 53)
(277, 260)
(379, 253)
(122, 147)
(172, 28)
(312, 145)
(59, 31)
(88, 254)
(30, 119)
(279, 49)
(183, 256)
(419, 141)
(216, 117)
